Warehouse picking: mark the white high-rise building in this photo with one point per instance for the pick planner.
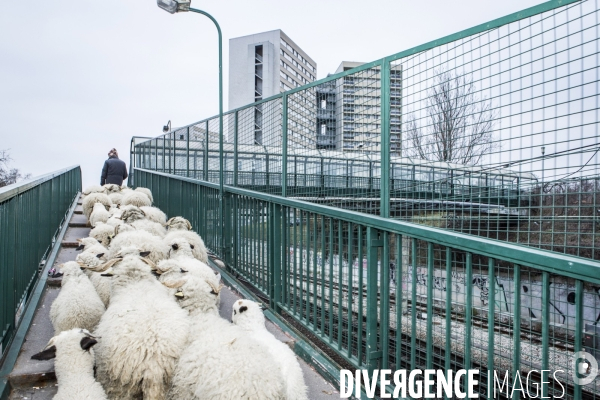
(358, 110)
(263, 65)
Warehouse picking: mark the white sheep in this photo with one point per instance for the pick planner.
(182, 262)
(178, 224)
(116, 197)
(103, 233)
(114, 210)
(93, 257)
(74, 365)
(135, 198)
(114, 221)
(199, 249)
(155, 214)
(143, 240)
(92, 189)
(132, 213)
(85, 243)
(143, 334)
(146, 191)
(150, 226)
(99, 214)
(111, 188)
(77, 304)
(88, 203)
(249, 316)
(221, 361)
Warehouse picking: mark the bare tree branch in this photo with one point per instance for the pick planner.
(9, 176)
(458, 126)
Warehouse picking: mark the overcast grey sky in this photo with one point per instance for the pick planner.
(78, 78)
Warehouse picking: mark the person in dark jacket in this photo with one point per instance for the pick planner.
(114, 170)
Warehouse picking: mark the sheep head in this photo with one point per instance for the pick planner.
(178, 223)
(68, 341)
(196, 294)
(180, 247)
(248, 315)
(132, 213)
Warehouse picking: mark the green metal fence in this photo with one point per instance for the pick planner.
(31, 215)
(447, 301)
(438, 207)
(491, 131)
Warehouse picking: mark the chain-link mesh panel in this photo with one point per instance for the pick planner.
(499, 133)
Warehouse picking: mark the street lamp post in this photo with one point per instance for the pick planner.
(174, 6)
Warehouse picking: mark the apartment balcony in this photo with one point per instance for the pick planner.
(325, 141)
(325, 89)
(325, 114)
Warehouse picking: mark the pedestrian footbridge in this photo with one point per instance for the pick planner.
(425, 236)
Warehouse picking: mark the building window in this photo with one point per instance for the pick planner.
(323, 129)
(323, 104)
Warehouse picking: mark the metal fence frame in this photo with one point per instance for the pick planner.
(32, 214)
(197, 201)
(216, 204)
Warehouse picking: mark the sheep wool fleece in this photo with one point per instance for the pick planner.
(77, 304)
(143, 334)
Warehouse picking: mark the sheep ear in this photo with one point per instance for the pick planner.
(57, 275)
(143, 212)
(144, 253)
(192, 246)
(179, 294)
(183, 271)
(169, 221)
(106, 265)
(175, 284)
(47, 354)
(243, 308)
(189, 225)
(80, 247)
(87, 342)
(150, 263)
(175, 246)
(99, 255)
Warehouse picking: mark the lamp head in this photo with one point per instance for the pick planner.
(173, 6)
(167, 127)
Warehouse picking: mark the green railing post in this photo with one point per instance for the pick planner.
(206, 143)
(226, 221)
(164, 155)
(187, 152)
(545, 329)
(284, 139)
(374, 242)
(275, 253)
(384, 182)
(516, 354)
(235, 149)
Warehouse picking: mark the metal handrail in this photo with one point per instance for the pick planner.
(575, 267)
(15, 189)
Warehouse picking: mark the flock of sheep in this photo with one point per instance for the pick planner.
(137, 315)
